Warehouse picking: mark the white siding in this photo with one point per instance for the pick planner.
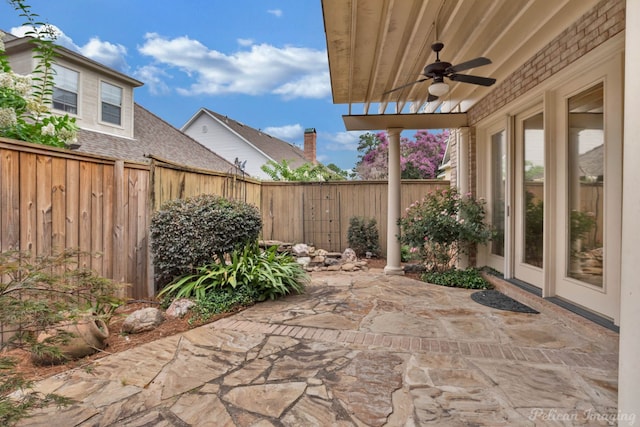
(225, 143)
(89, 108)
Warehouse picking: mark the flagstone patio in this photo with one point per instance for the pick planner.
(357, 349)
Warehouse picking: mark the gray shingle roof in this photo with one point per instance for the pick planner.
(275, 148)
(153, 136)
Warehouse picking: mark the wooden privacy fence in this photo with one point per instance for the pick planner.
(51, 199)
(318, 213)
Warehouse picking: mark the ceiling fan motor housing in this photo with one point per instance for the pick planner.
(436, 69)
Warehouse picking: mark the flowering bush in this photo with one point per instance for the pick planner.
(25, 100)
(442, 226)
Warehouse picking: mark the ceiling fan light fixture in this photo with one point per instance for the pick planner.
(438, 88)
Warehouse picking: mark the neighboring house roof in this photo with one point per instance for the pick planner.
(592, 162)
(153, 136)
(274, 148)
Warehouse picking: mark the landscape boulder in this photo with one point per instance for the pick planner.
(301, 250)
(349, 255)
(145, 319)
(179, 307)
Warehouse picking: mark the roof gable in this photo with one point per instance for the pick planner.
(274, 148)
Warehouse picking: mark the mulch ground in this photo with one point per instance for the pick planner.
(116, 342)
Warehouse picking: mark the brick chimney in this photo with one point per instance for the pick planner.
(310, 145)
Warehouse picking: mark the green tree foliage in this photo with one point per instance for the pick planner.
(308, 172)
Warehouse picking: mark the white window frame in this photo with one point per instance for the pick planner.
(106, 99)
(63, 81)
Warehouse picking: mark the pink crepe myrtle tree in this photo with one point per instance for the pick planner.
(420, 157)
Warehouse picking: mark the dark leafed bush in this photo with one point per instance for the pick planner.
(363, 236)
(189, 233)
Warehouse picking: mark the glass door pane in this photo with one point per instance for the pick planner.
(498, 190)
(533, 190)
(586, 186)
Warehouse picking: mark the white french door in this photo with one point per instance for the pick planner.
(529, 194)
(589, 156)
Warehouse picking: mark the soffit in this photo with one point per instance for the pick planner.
(377, 45)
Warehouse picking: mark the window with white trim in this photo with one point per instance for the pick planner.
(65, 89)
(111, 99)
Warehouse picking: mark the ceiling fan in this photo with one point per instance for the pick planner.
(439, 70)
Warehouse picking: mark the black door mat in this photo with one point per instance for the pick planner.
(496, 299)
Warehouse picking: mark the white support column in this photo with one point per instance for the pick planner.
(393, 208)
(462, 144)
(462, 148)
(629, 368)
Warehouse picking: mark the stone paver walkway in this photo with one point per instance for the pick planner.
(356, 350)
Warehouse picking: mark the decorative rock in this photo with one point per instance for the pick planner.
(335, 267)
(331, 261)
(142, 320)
(322, 252)
(349, 266)
(349, 255)
(303, 260)
(301, 250)
(318, 259)
(179, 307)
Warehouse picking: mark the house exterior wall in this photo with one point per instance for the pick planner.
(599, 25)
(89, 105)
(219, 139)
(595, 41)
(22, 62)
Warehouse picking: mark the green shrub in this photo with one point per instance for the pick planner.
(223, 301)
(468, 279)
(270, 273)
(189, 233)
(363, 236)
(442, 226)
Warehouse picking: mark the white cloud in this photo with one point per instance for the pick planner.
(288, 132)
(245, 42)
(291, 72)
(61, 38)
(341, 141)
(275, 12)
(109, 54)
(153, 79)
(308, 86)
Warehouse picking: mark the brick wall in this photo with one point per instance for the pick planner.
(310, 145)
(594, 28)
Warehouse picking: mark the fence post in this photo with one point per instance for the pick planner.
(119, 186)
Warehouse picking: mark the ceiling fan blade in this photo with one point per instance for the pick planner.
(478, 62)
(403, 86)
(482, 81)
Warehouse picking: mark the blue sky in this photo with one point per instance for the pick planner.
(261, 62)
